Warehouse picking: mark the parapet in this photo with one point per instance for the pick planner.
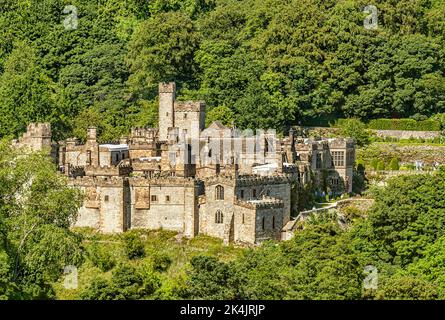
(167, 87)
(189, 106)
(123, 170)
(115, 182)
(264, 203)
(38, 130)
(250, 180)
(342, 143)
(162, 181)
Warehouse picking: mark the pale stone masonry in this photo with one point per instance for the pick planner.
(194, 180)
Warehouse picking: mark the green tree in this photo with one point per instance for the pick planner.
(161, 49)
(26, 92)
(223, 114)
(210, 279)
(36, 211)
(354, 128)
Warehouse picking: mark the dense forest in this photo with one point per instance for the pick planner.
(257, 63)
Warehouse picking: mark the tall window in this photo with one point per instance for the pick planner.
(273, 222)
(219, 193)
(350, 157)
(319, 163)
(219, 217)
(254, 193)
(338, 158)
(88, 157)
(264, 223)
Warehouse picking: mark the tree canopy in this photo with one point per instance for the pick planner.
(272, 63)
(37, 209)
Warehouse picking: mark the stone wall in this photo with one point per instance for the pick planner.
(169, 204)
(208, 210)
(104, 206)
(37, 137)
(399, 134)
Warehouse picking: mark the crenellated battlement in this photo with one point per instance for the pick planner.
(88, 181)
(38, 130)
(189, 106)
(121, 170)
(162, 181)
(167, 87)
(264, 203)
(252, 180)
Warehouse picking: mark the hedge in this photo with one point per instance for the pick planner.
(399, 124)
(404, 124)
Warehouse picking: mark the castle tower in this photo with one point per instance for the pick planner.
(92, 147)
(167, 93)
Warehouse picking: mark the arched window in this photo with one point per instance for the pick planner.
(219, 217)
(243, 219)
(219, 195)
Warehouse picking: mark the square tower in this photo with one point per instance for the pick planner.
(167, 94)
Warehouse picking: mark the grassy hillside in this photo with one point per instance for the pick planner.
(157, 245)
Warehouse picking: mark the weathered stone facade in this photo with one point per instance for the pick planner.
(183, 177)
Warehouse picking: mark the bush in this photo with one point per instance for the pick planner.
(374, 163)
(381, 165)
(101, 257)
(133, 245)
(404, 124)
(394, 164)
(361, 166)
(126, 283)
(161, 262)
(354, 128)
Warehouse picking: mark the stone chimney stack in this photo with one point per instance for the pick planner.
(92, 134)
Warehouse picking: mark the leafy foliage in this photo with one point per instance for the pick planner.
(268, 64)
(354, 128)
(133, 245)
(36, 210)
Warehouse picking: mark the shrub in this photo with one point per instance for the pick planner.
(101, 257)
(133, 245)
(374, 163)
(381, 165)
(126, 283)
(161, 262)
(351, 213)
(394, 164)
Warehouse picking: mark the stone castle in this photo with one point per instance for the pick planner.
(187, 178)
